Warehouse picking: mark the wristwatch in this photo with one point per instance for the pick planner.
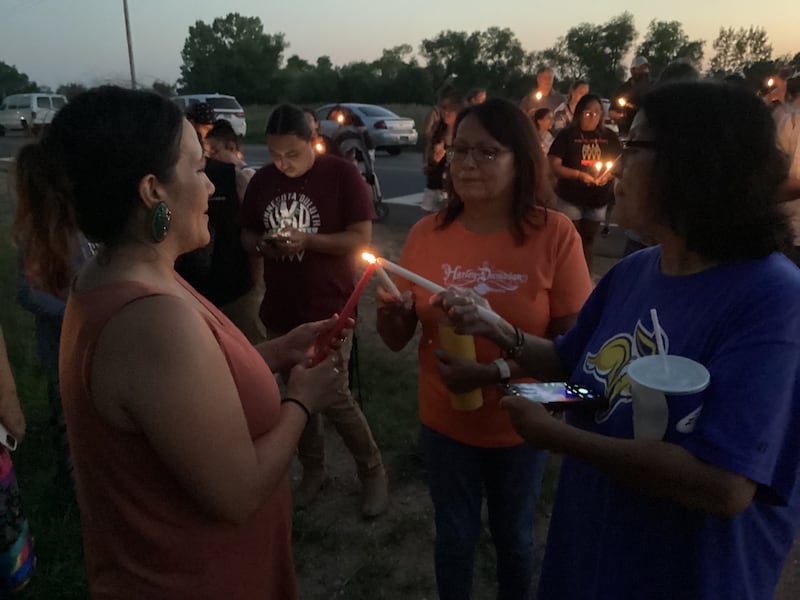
(505, 370)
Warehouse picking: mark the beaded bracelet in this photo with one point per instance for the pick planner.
(300, 404)
(519, 343)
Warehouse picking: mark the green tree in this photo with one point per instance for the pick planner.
(453, 55)
(162, 88)
(599, 50)
(493, 59)
(233, 55)
(70, 90)
(566, 66)
(737, 49)
(665, 41)
(13, 82)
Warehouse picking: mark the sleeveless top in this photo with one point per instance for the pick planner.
(144, 535)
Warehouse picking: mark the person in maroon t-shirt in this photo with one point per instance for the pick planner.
(308, 215)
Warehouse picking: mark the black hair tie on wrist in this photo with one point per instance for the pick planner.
(300, 404)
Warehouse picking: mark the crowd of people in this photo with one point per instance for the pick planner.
(174, 287)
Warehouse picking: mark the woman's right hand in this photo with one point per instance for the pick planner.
(389, 304)
(586, 178)
(460, 305)
(318, 387)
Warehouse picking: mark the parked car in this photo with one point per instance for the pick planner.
(29, 112)
(225, 107)
(385, 129)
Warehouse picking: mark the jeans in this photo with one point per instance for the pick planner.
(458, 474)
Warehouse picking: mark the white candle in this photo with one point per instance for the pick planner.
(387, 282)
(486, 314)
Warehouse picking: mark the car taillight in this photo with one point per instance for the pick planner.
(380, 125)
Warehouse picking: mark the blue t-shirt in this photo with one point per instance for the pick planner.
(742, 321)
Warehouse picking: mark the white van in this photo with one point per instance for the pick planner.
(225, 107)
(29, 112)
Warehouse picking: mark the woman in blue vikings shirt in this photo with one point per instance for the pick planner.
(709, 510)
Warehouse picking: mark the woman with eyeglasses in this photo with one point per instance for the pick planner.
(708, 507)
(580, 157)
(495, 238)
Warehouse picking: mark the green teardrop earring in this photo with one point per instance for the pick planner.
(160, 217)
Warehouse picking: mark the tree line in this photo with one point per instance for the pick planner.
(234, 55)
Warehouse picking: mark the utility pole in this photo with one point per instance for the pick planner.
(130, 45)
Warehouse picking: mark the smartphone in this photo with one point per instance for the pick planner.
(273, 239)
(558, 394)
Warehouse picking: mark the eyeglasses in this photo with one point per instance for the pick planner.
(457, 154)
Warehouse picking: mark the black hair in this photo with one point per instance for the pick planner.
(512, 128)
(223, 131)
(101, 145)
(85, 171)
(793, 87)
(717, 169)
(678, 70)
(543, 69)
(540, 114)
(580, 107)
(288, 119)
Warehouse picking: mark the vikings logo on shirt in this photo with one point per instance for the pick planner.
(609, 366)
(483, 279)
(295, 210)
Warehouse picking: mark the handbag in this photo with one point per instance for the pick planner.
(17, 556)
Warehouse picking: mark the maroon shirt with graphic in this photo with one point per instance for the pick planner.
(327, 199)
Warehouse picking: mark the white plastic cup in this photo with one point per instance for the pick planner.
(652, 377)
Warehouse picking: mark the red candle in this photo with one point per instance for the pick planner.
(322, 347)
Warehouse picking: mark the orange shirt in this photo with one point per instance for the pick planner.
(528, 285)
(144, 536)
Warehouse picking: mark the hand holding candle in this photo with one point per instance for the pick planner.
(486, 314)
(322, 347)
(383, 278)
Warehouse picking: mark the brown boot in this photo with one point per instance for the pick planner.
(308, 489)
(375, 494)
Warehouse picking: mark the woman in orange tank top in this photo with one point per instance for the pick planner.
(181, 443)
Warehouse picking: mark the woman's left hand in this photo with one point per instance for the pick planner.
(297, 345)
(294, 241)
(532, 421)
(461, 375)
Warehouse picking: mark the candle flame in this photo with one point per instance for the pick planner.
(340, 118)
(370, 258)
(770, 82)
(598, 165)
(609, 164)
(319, 147)
(622, 102)
(538, 95)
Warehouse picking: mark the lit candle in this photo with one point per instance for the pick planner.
(622, 102)
(598, 165)
(486, 314)
(323, 343)
(381, 275)
(538, 95)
